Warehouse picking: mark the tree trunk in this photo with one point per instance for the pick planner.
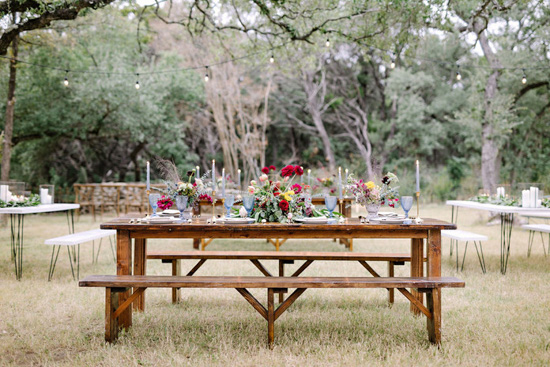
(10, 109)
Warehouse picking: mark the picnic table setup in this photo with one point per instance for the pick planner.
(274, 207)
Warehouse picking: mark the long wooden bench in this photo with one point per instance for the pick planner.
(114, 284)
(175, 257)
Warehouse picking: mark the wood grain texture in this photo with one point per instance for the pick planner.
(111, 324)
(163, 281)
(434, 323)
(124, 259)
(270, 318)
(434, 253)
(140, 268)
(176, 271)
(417, 270)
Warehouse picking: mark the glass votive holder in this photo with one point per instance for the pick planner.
(46, 194)
(12, 191)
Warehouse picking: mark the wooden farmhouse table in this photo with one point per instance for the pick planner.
(134, 236)
(17, 221)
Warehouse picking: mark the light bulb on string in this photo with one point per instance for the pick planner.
(66, 80)
(392, 64)
(327, 43)
(137, 81)
(458, 75)
(272, 59)
(206, 77)
(524, 77)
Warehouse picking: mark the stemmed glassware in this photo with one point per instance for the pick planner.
(248, 203)
(153, 201)
(330, 203)
(181, 204)
(406, 204)
(228, 202)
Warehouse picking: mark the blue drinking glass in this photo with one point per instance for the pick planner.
(330, 203)
(228, 203)
(181, 204)
(153, 201)
(248, 203)
(406, 204)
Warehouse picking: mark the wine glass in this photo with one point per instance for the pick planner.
(181, 204)
(406, 204)
(228, 203)
(330, 203)
(153, 201)
(248, 203)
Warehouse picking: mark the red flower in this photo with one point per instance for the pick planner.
(272, 168)
(299, 170)
(283, 204)
(265, 170)
(297, 188)
(287, 171)
(205, 197)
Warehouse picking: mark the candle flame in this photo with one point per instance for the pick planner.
(417, 163)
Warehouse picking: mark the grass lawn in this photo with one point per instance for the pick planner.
(495, 321)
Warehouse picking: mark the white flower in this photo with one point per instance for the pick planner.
(253, 182)
(264, 221)
(289, 216)
(199, 182)
(312, 207)
(242, 212)
(263, 178)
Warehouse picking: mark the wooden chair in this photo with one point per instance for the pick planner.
(85, 197)
(135, 198)
(110, 197)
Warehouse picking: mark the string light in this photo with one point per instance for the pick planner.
(327, 43)
(392, 65)
(66, 81)
(458, 75)
(137, 81)
(206, 77)
(272, 59)
(524, 77)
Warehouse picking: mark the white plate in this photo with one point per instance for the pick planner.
(388, 214)
(236, 220)
(160, 220)
(388, 220)
(170, 212)
(315, 220)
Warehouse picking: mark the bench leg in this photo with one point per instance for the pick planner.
(270, 318)
(53, 261)
(391, 291)
(481, 258)
(111, 323)
(417, 269)
(434, 323)
(196, 243)
(176, 271)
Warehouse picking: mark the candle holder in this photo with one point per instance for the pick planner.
(418, 220)
(213, 205)
(340, 206)
(47, 194)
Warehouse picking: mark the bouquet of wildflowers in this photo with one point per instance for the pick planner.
(194, 187)
(371, 193)
(277, 200)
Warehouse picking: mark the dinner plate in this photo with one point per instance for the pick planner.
(161, 220)
(388, 220)
(315, 220)
(236, 220)
(169, 212)
(388, 214)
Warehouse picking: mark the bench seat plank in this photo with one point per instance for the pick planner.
(162, 281)
(537, 227)
(271, 255)
(80, 237)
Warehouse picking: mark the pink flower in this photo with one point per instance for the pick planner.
(297, 188)
(251, 189)
(263, 178)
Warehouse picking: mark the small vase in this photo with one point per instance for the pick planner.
(372, 209)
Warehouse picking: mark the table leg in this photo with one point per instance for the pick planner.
(196, 243)
(417, 269)
(17, 224)
(506, 221)
(140, 267)
(434, 270)
(123, 261)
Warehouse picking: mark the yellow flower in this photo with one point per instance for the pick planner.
(288, 195)
(370, 185)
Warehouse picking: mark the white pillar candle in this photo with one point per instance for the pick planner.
(417, 176)
(340, 183)
(223, 181)
(148, 176)
(43, 196)
(525, 199)
(4, 192)
(532, 197)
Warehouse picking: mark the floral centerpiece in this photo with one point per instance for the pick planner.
(371, 195)
(277, 200)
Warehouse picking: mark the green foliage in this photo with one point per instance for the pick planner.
(32, 200)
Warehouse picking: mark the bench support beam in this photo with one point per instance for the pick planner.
(253, 301)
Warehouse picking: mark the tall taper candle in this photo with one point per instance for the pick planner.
(417, 176)
(347, 174)
(239, 179)
(213, 174)
(309, 177)
(340, 182)
(148, 176)
(302, 176)
(223, 182)
(198, 174)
